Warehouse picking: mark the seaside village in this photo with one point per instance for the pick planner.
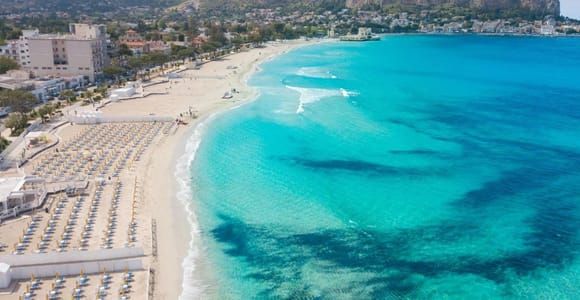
(74, 222)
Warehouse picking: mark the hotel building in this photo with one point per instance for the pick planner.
(81, 52)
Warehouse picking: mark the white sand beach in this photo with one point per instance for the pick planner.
(200, 91)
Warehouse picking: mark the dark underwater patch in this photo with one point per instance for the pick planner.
(360, 166)
(415, 152)
(510, 183)
(276, 256)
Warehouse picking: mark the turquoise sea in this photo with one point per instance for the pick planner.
(417, 167)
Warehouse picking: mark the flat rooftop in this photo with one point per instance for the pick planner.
(61, 37)
(8, 185)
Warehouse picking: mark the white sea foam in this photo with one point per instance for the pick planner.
(193, 288)
(311, 95)
(315, 72)
(190, 289)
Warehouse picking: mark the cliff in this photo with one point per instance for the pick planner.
(548, 7)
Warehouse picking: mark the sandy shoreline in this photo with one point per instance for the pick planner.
(201, 91)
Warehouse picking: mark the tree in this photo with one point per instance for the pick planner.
(89, 95)
(193, 26)
(278, 27)
(141, 26)
(186, 53)
(3, 143)
(256, 37)
(68, 95)
(101, 91)
(113, 71)
(208, 47)
(161, 24)
(124, 50)
(181, 52)
(175, 49)
(158, 58)
(45, 110)
(16, 122)
(289, 33)
(18, 100)
(7, 64)
(135, 62)
(217, 35)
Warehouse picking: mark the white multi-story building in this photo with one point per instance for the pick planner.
(81, 52)
(547, 29)
(19, 49)
(43, 88)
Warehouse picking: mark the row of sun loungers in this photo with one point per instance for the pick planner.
(100, 286)
(100, 151)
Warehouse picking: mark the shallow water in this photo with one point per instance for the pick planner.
(414, 167)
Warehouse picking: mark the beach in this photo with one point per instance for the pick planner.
(200, 91)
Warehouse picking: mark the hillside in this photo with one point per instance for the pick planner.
(233, 6)
(540, 6)
(16, 6)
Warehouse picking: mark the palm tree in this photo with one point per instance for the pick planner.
(89, 95)
(68, 95)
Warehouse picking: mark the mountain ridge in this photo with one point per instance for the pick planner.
(15, 6)
(541, 6)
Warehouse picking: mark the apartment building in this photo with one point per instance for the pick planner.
(83, 51)
(18, 49)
